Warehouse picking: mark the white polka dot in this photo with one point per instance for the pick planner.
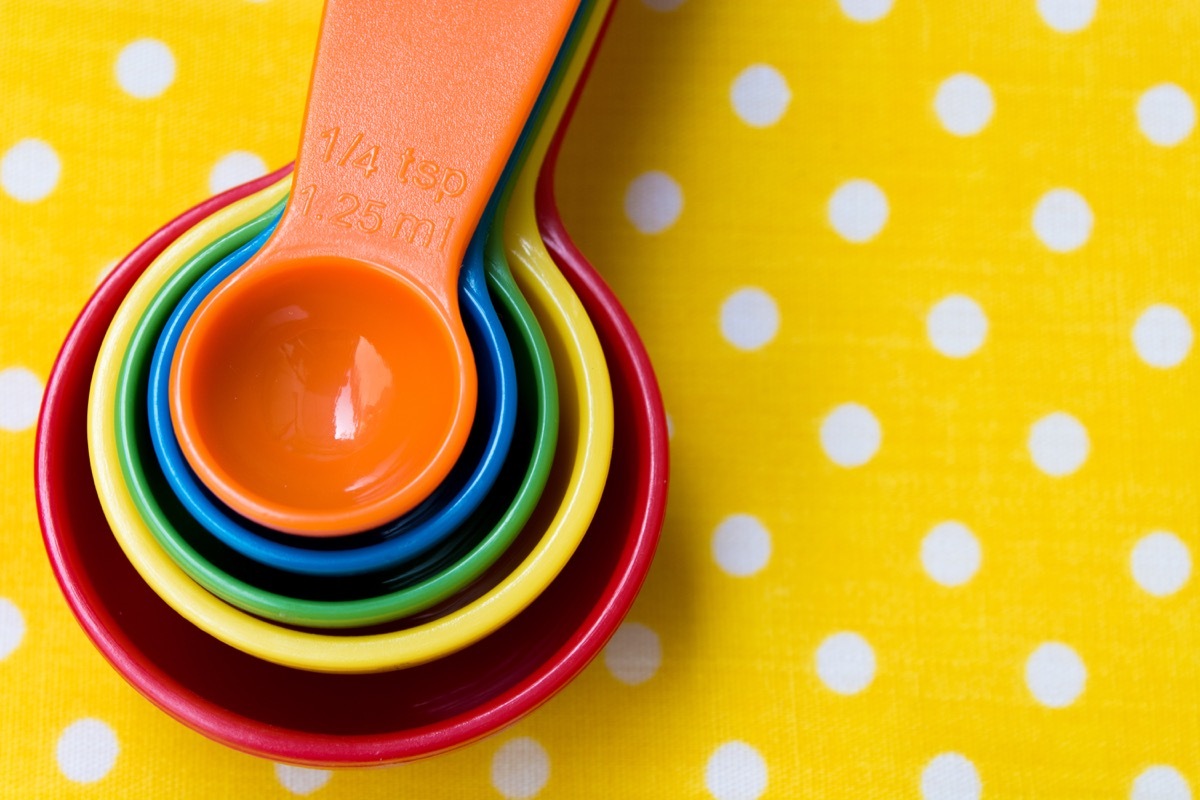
(520, 768)
(301, 780)
(741, 546)
(858, 210)
(662, 5)
(846, 663)
(235, 169)
(1062, 220)
(1055, 675)
(145, 68)
(1067, 16)
(950, 776)
(1160, 783)
(1059, 444)
(87, 750)
(653, 202)
(12, 627)
(850, 435)
(1166, 114)
(20, 399)
(1162, 336)
(865, 10)
(760, 95)
(951, 554)
(749, 319)
(956, 326)
(29, 170)
(736, 771)
(670, 427)
(633, 654)
(1161, 563)
(964, 104)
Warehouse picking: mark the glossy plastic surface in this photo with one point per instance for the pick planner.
(369, 599)
(329, 386)
(456, 627)
(268, 594)
(528, 565)
(321, 601)
(398, 541)
(584, 381)
(351, 720)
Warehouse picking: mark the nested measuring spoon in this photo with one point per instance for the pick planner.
(380, 549)
(586, 440)
(550, 537)
(329, 386)
(345, 720)
(366, 599)
(369, 599)
(321, 602)
(407, 538)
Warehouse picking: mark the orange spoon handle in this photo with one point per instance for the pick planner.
(413, 110)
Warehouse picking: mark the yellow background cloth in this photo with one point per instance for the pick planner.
(918, 279)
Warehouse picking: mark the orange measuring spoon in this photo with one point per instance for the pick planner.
(328, 386)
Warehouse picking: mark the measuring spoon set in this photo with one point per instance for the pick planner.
(368, 430)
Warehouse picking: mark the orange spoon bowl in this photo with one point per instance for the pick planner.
(336, 359)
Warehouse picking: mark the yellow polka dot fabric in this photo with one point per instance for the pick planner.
(918, 278)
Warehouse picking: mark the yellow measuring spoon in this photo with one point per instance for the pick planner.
(558, 525)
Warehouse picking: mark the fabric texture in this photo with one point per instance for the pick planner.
(917, 280)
